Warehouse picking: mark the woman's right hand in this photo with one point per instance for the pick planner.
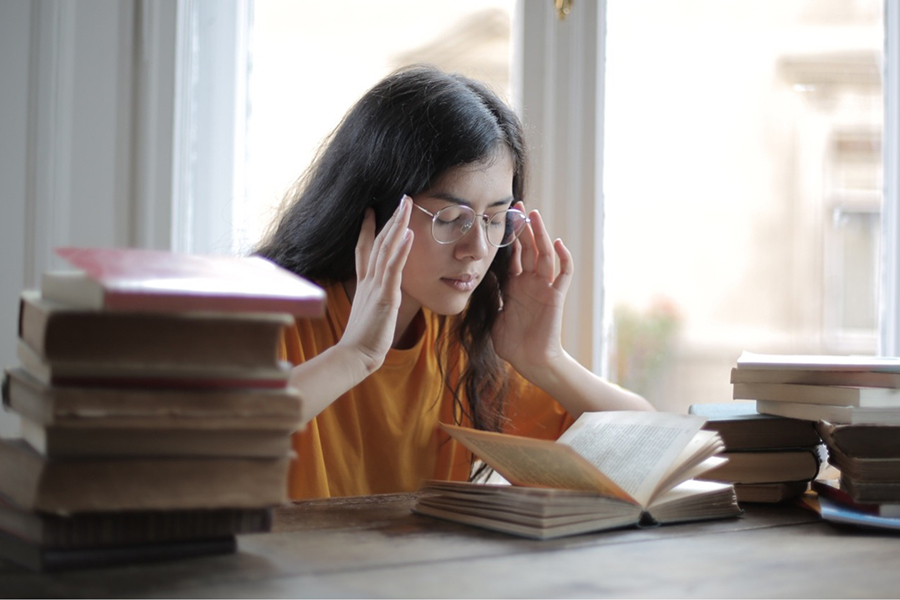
(376, 300)
(373, 316)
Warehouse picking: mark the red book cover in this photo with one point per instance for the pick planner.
(154, 280)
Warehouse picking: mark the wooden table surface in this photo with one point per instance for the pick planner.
(375, 547)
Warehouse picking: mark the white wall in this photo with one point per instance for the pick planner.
(79, 164)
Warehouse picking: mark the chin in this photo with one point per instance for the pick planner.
(447, 309)
(447, 304)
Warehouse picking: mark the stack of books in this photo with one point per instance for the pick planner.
(854, 402)
(155, 414)
(837, 389)
(770, 458)
(867, 458)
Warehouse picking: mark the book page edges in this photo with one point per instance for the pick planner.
(536, 463)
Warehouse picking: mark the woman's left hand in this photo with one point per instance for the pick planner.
(527, 333)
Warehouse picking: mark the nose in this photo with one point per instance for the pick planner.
(474, 244)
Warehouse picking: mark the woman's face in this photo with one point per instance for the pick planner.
(442, 277)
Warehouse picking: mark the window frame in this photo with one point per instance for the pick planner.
(208, 199)
(557, 87)
(889, 334)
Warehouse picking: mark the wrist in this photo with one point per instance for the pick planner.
(550, 373)
(359, 363)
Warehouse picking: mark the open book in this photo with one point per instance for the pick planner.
(610, 469)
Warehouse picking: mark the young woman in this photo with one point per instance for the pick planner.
(444, 300)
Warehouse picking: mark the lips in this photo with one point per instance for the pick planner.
(461, 283)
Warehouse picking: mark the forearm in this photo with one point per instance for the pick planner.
(579, 390)
(323, 379)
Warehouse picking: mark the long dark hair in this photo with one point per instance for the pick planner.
(399, 138)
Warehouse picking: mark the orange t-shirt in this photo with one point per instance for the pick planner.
(383, 436)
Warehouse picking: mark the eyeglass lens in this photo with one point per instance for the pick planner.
(453, 222)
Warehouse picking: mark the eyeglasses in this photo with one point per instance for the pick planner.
(453, 222)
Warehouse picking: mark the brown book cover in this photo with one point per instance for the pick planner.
(67, 486)
(769, 466)
(116, 528)
(136, 408)
(741, 427)
(79, 439)
(40, 559)
(770, 493)
(870, 491)
(62, 334)
(148, 375)
(863, 441)
(872, 470)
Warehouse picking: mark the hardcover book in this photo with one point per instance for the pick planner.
(128, 527)
(148, 375)
(770, 493)
(886, 415)
(742, 427)
(816, 377)
(818, 394)
(869, 492)
(61, 334)
(152, 280)
(80, 439)
(863, 441)
(769, 466)
(866, 469)
(154, 409)
(818, 362)
(832, 489)
(65, 486)
(847, 515)
(40, 559)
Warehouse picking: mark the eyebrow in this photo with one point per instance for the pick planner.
(508, 201)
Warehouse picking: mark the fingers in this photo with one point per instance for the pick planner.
(527, 254)
(515, 260)
(537, 254)
(365, 242)
(546, 260)
(393, 272)
(387, 252)
(533, 252)
(566, 267)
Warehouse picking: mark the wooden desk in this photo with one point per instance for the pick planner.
(373, 546)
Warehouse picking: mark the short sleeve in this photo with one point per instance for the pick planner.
(534, 413)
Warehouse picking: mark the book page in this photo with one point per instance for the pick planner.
(696, 458)
(535, 463)
(634, 449)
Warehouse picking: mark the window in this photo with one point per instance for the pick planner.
(744, 149)
(743, 186)
(312, 60)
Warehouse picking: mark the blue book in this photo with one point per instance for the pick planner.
(838, 513)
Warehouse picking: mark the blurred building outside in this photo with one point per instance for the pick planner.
(742, 169)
